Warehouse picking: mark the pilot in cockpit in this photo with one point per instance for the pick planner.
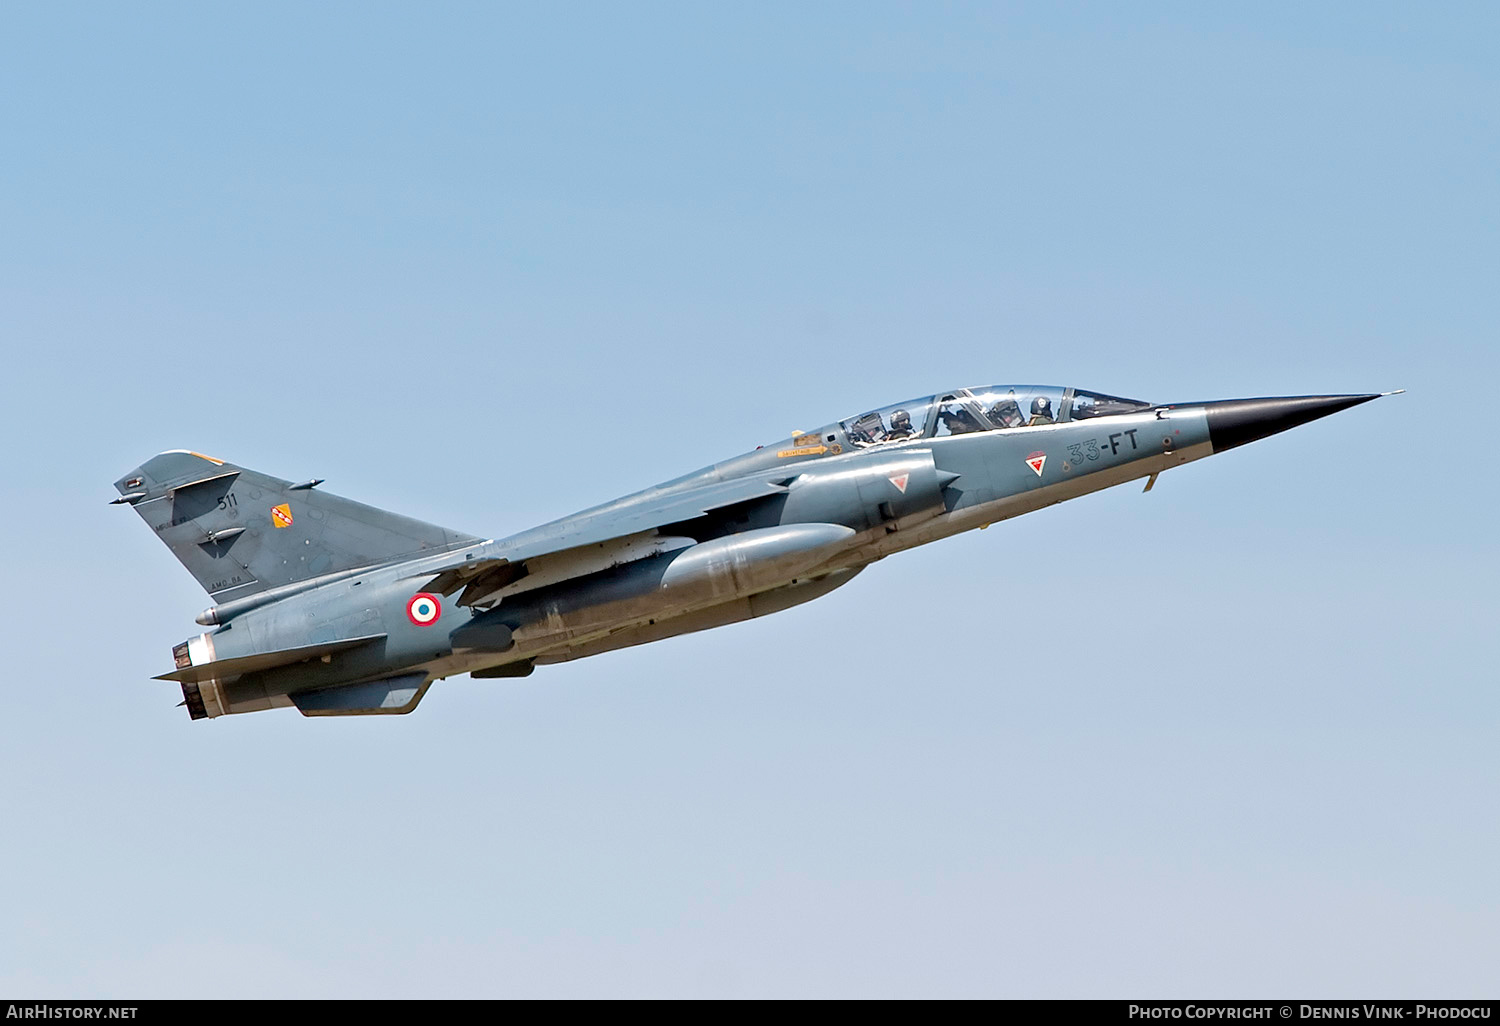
(1041, 411)
(868, 430)
(1007, 414)
(958, 420)
(900, 426)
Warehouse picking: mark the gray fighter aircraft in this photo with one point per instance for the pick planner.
(341, 609)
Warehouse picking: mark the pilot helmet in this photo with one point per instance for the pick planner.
(900, 420)
(1041, 405)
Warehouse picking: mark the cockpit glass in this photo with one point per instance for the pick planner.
(997, 408)
(991, 408)
(891, 423)
(1096, 404)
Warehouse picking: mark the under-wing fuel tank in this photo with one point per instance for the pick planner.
(695, 577)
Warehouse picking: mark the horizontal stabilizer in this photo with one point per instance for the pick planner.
(390, 697)
(220, 669)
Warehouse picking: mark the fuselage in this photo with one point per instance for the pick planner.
(775, 527)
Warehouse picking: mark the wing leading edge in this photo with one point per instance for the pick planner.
(504, 563)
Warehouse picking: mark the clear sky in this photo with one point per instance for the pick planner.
(490, 264)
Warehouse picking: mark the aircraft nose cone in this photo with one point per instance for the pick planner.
(1233, 422)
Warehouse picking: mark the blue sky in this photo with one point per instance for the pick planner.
(490, 264)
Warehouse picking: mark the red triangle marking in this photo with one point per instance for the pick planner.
(900, 482)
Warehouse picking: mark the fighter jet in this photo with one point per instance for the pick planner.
(336, 608)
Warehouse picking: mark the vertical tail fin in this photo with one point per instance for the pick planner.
(240, 532)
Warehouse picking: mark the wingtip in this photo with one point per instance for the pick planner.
(1399, 391)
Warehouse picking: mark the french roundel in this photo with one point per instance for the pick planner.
(423, 609)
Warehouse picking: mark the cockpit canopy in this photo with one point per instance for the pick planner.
(993, 408)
